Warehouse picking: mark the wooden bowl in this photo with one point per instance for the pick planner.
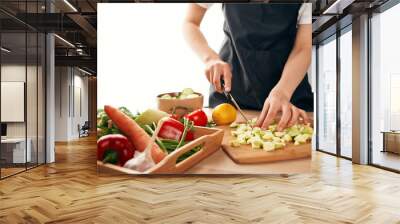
(209, 138)
(179, 106)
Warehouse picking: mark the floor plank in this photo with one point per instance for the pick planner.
(71, 191)
(387, 159)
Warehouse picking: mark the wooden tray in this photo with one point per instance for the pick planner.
(246, 155)
(210, 138)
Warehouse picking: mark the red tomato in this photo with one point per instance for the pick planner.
(199, 117)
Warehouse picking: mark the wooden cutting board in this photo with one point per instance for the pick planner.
(246, 155)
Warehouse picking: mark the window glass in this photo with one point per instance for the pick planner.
(31, 100)
(14, 149)
(385, 87)
(22, 92)
(41, 79)
(327, 96)
(346, 94)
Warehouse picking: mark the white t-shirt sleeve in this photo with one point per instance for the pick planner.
(205, 5)
(305, 12)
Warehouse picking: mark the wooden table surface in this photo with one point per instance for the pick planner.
(220, 163)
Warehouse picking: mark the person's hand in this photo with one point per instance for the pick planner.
(216, 69)
(278, 103)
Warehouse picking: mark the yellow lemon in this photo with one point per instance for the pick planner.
(224, 114)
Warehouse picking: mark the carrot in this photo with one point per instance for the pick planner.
(134, 132)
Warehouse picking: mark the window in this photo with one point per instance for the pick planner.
(327, 96)
(22, 77)
(385, 89)
(346, 93)
(15, 155)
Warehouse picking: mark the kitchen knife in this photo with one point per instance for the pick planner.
(230, 98)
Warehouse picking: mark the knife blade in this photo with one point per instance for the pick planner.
(229, 96)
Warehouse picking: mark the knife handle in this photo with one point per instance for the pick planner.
(222, 84)
(227, 95)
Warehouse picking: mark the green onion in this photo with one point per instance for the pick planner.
(188, 125)
(150, 131)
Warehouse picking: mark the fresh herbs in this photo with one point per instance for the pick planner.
(150, 130)
(188, 127)
(189, 153)
(104, 124)
(211, 124)
(170, 145)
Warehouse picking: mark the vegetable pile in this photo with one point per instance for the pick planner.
(186, 93)
(123, 136)
(270, 139)
(137, 136)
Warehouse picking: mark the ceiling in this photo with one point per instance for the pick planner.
(333, 15)
(74, 22)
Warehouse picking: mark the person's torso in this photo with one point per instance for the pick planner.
(259, 26)
(258, 41)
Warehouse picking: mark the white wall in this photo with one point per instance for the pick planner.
(33, 127)
(12, 101)
(16, 73)
(67, 115)
(62, 81)
(81, 84)
(142, 53)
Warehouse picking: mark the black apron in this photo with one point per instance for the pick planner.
(258, 41)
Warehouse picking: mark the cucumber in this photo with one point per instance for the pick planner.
(187, 91)
(166, 96)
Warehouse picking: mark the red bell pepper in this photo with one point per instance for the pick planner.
(199, 117)
(174, 116)
(115, 149)
(173, 130)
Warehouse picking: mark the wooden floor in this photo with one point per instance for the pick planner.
(387, 159)
(10, 171)
(70, 191)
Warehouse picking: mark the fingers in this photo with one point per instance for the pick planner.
(271, 114)
(263, 114)
(305, 117)
(295, 116)
(208, 73)
(217, 79)
(291, 115)
(227, 78)
(286, 115)
(217, 69)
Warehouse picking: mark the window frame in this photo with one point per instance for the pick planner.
(27, 29)
(339, 29)
(378, 10)
(333, 37)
